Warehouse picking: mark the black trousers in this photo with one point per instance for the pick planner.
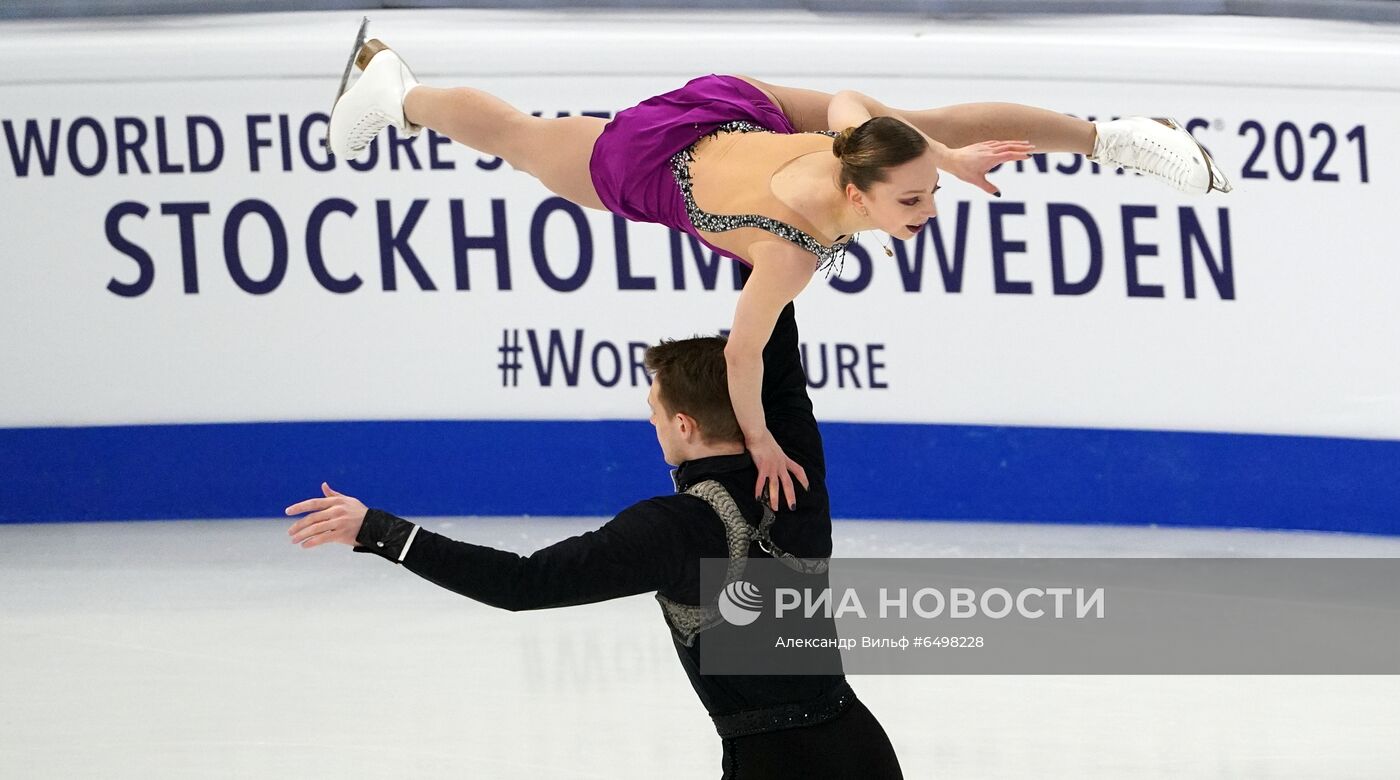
(851, 745)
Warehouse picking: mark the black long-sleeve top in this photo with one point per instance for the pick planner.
(654, 545)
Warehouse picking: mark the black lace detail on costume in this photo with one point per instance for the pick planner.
(827, 257)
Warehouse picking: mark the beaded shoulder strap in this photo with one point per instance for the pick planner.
(800, 565)
(688, 620)
(719, 223)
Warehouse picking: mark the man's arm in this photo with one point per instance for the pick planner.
(785, 400)
(784, 383)
(639, 551)
(791, 420)
(627, 556)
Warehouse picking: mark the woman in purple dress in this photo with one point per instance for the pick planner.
(778, 178)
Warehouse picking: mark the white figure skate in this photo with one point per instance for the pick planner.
(1159, 148)
(373, 102)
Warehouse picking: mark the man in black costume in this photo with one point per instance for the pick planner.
(772, 726)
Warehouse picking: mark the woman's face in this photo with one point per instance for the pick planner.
(904, 202)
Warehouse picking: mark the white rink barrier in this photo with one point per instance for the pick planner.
(185, 263)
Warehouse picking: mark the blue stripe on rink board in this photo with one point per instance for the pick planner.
(1054, 475)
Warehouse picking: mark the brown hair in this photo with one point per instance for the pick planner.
(866, 151)
(694, 381)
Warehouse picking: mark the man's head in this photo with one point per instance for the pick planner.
(689, 400)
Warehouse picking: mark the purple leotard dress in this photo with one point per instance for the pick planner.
(636, 172)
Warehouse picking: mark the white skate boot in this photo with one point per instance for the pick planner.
(373, 102)
(1160, 148)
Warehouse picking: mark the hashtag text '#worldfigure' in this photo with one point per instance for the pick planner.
(510, 358)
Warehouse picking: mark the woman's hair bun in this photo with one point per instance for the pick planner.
(869, 151)
(838, 146)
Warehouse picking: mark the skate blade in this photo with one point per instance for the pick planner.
(345, 77)
(1218, 182)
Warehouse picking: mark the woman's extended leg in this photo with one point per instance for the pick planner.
(555, 151)
(954, 126)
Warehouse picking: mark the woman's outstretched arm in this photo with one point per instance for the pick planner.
(849, 108)
(970, 123)
(969, 163)
(780, 272)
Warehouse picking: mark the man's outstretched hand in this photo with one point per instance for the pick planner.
(335, 518)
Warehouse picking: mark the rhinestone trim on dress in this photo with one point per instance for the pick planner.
(719, 223)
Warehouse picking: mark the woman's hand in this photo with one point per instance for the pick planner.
(971, 163)
(775, 469)
(335, 518)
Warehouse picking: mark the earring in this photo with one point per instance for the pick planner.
(883, 245)
(864, 212)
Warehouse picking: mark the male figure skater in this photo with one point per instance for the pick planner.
(772, 726)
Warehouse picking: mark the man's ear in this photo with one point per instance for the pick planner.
(689, 428)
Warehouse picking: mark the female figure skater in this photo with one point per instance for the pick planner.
(759, 173)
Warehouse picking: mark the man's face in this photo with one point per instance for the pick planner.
(668, 433)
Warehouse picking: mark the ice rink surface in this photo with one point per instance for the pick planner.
(218, 649)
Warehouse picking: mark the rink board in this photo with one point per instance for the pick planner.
(598, 468)
(189, 280)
